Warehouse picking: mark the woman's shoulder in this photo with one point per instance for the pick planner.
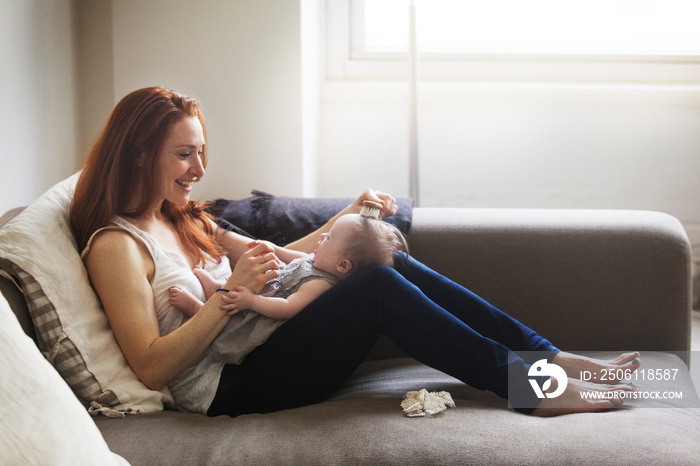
(115, 251)
(118, 236)
(112, 242)
(113, 239)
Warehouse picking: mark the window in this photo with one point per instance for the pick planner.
(544, 40)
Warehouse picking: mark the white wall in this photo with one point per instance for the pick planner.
(311, 77)
(38, 111)
(518, 146)
(66, 63)
(242, 60)
(95, 65)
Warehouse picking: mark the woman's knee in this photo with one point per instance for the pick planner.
(380, 274)
(382, 282)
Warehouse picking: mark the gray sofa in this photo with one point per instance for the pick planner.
(601, 281)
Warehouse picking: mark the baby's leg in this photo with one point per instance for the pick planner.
(209, 283)
(600, 371)
(185, 301)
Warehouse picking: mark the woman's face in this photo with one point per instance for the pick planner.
(180, 161)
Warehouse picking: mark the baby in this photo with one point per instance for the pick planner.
(354, 243)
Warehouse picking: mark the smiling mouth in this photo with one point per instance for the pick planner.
(187, 184)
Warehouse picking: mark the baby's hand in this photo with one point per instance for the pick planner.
(238, 299)
(254, 243)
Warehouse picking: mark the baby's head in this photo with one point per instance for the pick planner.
(356, 243)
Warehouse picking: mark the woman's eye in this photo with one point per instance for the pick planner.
(184, 156)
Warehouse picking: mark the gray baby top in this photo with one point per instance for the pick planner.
(246, 330)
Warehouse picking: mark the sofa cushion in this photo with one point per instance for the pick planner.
(42, 422)
(565, 272)
(73, 333)
(363, 423)
(283, 219)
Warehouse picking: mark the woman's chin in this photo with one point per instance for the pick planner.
(180, 201)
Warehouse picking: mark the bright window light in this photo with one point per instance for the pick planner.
(607, 27)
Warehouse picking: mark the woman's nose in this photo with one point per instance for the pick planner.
(197, 167)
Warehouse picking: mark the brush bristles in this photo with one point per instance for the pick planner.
(370, 209)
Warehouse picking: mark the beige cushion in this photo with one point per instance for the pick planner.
(73, 332)
(42, 422)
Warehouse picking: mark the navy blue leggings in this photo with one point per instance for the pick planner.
(429, 317)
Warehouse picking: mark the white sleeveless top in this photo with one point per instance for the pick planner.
(194, 388)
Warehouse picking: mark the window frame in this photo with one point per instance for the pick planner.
(348, 59)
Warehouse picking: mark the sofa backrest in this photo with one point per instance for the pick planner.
(16, 300)
(587, 280)
(10, 290)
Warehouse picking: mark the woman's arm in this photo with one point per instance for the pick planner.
(284, 254)
(389, 208)
(237, 246)
(121, 269)
(275, 308)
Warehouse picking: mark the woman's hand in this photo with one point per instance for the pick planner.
(255, 268)
(389, 206)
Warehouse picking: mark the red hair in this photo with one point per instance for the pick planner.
(122, 162)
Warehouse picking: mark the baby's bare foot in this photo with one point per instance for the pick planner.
(209, 283)
(582, 397)
(598, 370)
(184, 301)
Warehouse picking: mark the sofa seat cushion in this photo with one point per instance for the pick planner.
(362, 423)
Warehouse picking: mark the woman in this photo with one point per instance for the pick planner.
(141, 234)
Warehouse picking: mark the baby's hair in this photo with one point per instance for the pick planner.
(376, 243)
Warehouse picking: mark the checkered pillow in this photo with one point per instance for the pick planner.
(56, 347)
(73, 333)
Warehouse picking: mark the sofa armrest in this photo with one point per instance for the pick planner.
(585, 279)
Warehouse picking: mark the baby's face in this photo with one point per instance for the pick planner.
(330, 250)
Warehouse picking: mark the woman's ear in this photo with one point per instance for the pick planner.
(344, 266)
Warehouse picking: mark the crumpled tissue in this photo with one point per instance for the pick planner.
(421, 402)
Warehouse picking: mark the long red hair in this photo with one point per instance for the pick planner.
(122, 162)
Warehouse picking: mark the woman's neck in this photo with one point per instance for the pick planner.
(151, 219)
